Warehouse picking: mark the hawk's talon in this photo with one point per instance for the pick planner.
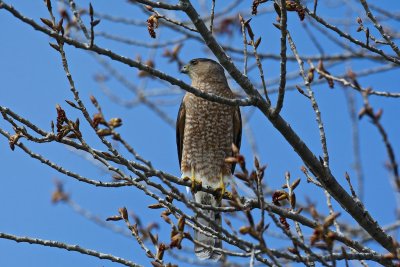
(195, 185)
(221, 191)
(228, 195)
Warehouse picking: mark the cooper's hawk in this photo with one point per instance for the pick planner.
(205, 132)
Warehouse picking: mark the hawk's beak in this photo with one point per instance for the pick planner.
(185, 69)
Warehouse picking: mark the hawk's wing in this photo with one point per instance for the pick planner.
(180, 128)
(237, 131)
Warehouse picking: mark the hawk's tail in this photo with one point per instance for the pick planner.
(201, 251)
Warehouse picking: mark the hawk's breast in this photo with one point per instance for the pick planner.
(208, 137)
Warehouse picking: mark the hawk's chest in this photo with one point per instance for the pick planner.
(208, 127)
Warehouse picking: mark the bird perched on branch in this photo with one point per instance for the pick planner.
(205, 132)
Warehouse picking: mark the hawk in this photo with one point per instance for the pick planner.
(205, 132)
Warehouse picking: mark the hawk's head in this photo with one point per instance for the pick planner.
(204, 68)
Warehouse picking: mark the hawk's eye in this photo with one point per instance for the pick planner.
(193, 62)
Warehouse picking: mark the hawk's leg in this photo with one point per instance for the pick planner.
(196, 185)
(220, 191)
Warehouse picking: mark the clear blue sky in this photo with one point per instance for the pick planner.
(33, 82)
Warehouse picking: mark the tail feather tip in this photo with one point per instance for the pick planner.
(207, 254)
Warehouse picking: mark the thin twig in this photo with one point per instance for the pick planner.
(212, 16)
(313, 102)
(64, 246)
(379, 27)
(282, 83)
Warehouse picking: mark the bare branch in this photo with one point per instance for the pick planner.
(64, 246)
